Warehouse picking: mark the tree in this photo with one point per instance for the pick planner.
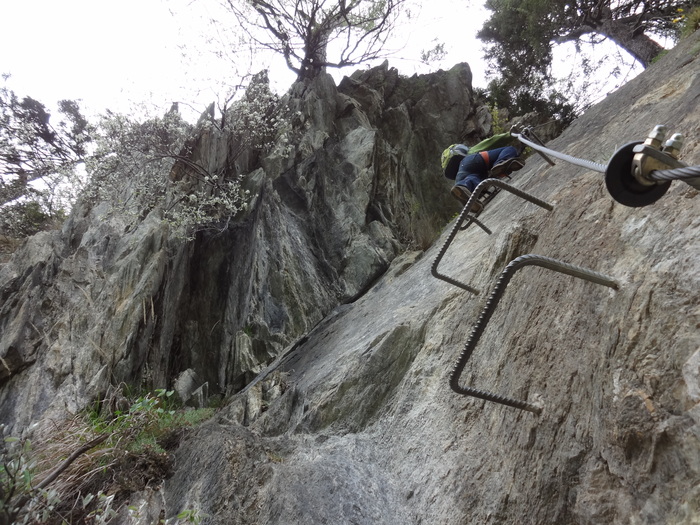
(35, 158)
(521, 34)
(538, 24)
(134, 165)
(547, 104)
(165, 169)
(304, 31)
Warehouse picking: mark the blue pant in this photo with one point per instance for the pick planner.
(473, 168)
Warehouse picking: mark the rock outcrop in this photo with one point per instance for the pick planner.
(105, 301)
(335, 344)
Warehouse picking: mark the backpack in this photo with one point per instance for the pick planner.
(453, 155)
(451, 158)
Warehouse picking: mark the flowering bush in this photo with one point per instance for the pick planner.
(140, 165)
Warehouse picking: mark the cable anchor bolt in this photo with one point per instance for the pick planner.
(650, 156)
(630, 175)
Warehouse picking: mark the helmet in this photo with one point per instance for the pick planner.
(451, 157)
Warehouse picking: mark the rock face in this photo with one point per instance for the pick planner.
(352, 420)
(104, 301)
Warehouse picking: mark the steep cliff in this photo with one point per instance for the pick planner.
(106, 301)
(351, 419)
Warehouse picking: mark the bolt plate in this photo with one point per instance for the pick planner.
(622, 185)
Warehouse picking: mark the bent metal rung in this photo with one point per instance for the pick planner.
(487, 312)
(465, 216)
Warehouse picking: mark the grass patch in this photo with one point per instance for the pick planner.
(92, 463)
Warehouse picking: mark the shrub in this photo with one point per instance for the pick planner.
(110, 453)
(691, 22)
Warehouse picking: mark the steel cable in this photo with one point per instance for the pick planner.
(685, 173)
(690, 172)
(487, 312)
(595, 166)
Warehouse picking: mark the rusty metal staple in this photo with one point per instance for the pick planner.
(465, 216)
(494, 298)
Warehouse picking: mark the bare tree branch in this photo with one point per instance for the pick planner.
(303, 36)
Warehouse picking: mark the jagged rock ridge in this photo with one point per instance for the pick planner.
(322, 226)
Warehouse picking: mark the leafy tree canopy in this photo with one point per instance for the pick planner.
(521, 35)
(32, 147)
(36, 156)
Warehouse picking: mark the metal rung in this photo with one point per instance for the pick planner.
(487, 312)
(465, 216)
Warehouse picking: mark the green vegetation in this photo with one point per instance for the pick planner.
(497, 122)
(690, 22)
(190, 516)
(521, 36)
(133, 165)
(35, 158)
(102, 455)
(659, 56)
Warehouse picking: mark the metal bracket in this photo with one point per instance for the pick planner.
(529, 133)
(639, 174)
(647, 159)
(465, 216)
(494, 298)
(624, 187)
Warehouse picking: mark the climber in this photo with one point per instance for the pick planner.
(469, 166)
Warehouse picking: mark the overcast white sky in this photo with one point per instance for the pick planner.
(109, 53)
